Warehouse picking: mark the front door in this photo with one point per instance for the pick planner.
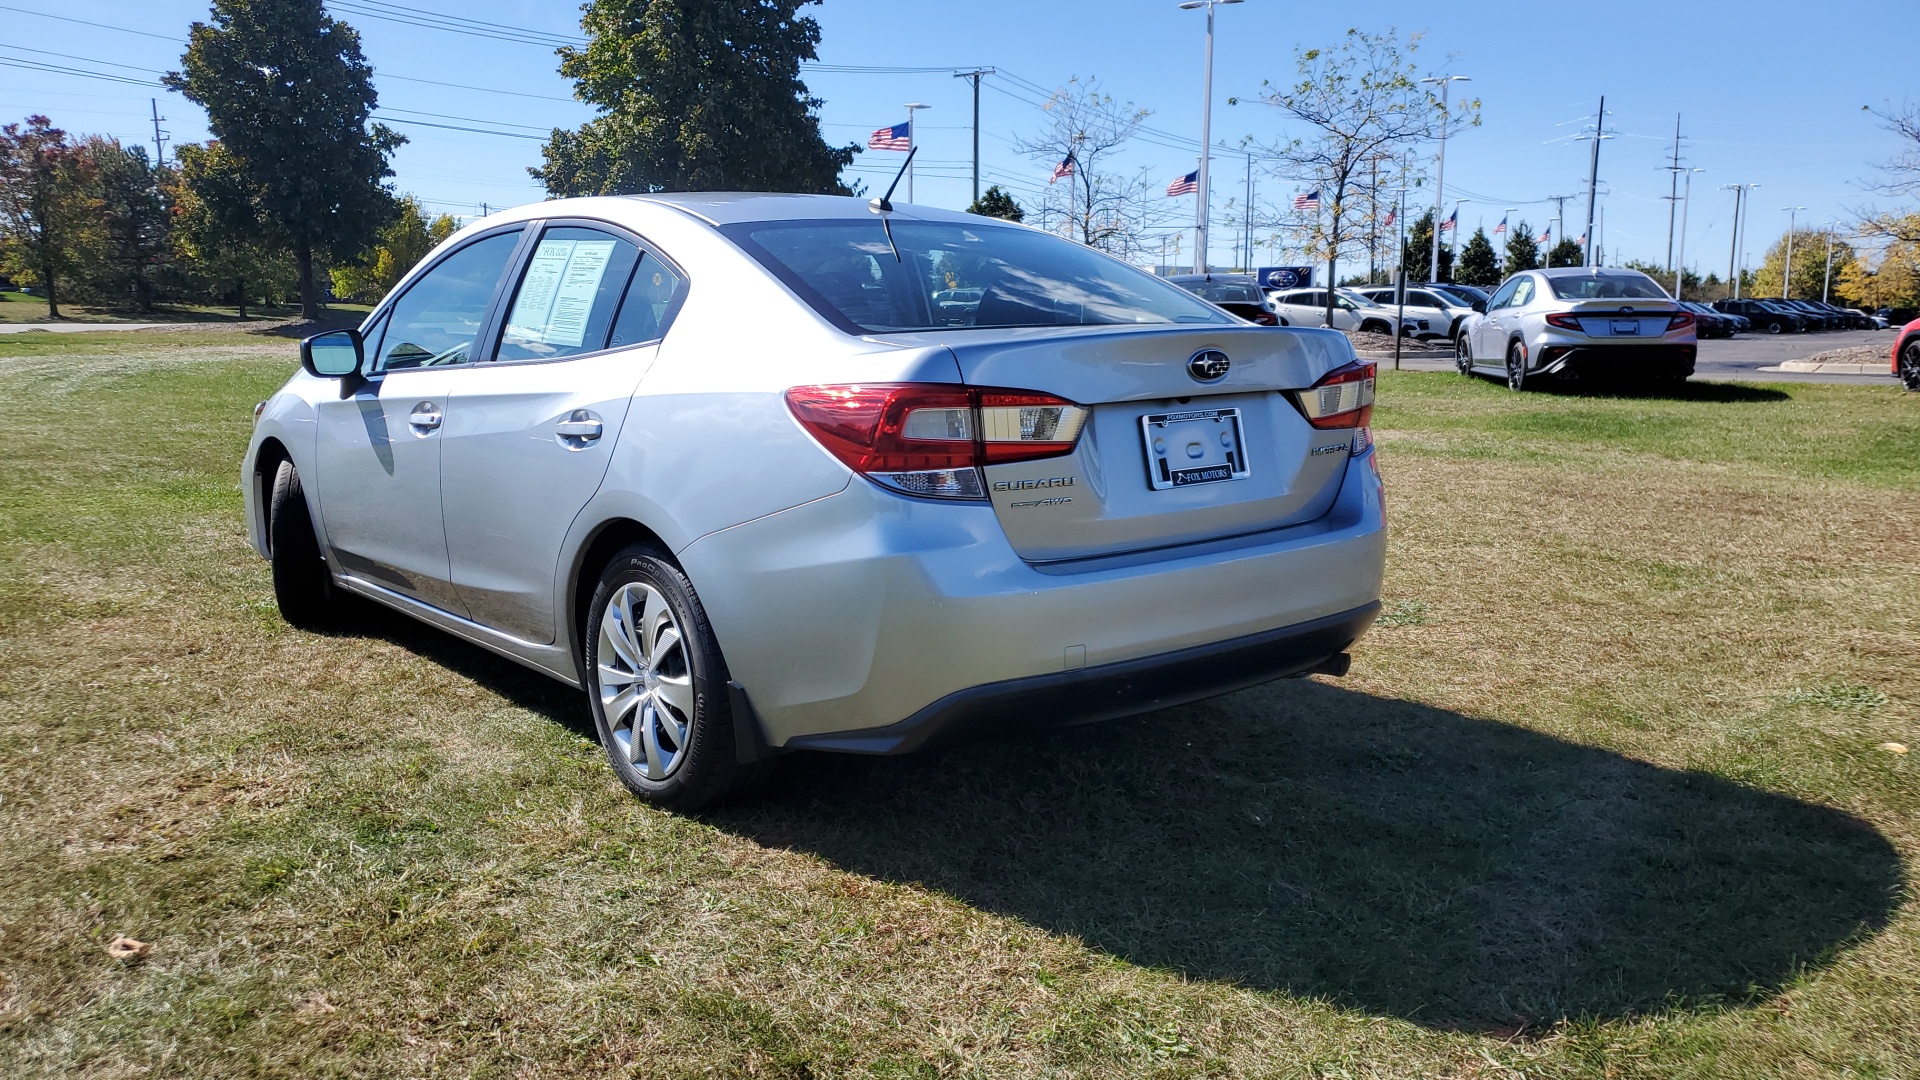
(377, 460)
(530, 433)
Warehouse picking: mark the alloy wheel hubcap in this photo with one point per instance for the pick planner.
(644, 680)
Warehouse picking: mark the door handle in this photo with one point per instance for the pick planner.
(425, 415)
(582, 425)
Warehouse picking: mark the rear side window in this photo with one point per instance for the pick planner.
(567, 295)
(1523, 295)
(643, 311)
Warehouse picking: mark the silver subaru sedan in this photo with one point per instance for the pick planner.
(1579, 322)
(764, 473)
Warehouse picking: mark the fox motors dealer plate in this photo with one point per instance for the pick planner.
(1203, 446)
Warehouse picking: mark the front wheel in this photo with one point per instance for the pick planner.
(302, 585)
(1463, 355)
(1516, 367)
(658, 687)
(1773, 328)
(1910, 365)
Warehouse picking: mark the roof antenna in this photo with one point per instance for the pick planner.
(884, 203)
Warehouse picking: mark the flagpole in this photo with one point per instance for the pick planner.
(912, 105)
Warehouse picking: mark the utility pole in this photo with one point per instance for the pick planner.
(1593, 177)
(1673, 186)
(1686, 204)
(1740, 194)
(1206, 138)
(974, 75)
(1440, 178)
(1786, 278)
(159, 136)
(1826, 284)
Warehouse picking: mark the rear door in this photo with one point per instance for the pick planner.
(1251, 460)
(530, 432)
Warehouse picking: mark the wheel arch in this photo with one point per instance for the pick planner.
(266, 462)
(606, 540)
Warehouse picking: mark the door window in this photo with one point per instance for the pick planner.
(1504, 295)
(1523, 295)
(435, 321)
(566, 298)
(643, 311)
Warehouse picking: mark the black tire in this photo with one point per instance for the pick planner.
(302, 585)
(1282, 322)
(1910, 364)
(1462, 355)
(707, 769)
(1516, 367)
(1773, 326)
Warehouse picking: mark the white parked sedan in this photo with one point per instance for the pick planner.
(1579, 322)
(770, 472)
(1351, 311)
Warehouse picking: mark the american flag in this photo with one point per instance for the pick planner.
(1391, 210)
(897, 137)
(1062, 170)
(1544, 234)
(1186, 185)
(1582, 241)
(1452, 220)
(1309, 201)
(1501, 228)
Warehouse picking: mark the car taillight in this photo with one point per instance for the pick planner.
(1566, 322)
(1343, 398)
(1680, 321)
(1266, 318)
(932, 439)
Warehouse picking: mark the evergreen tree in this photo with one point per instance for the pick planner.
(45, 205)
(1478, 264)
(1419, 251)
(996, 203)
(288, 95)
(1567, 253)
(694, 95)
(1523, 251)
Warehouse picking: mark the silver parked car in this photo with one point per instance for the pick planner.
(1572, 322)
(767, 472)
(1443, 311)
(1351, 311)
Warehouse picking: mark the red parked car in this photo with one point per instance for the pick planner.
(1906, 354)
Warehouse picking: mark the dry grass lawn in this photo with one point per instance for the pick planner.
(1605, 795)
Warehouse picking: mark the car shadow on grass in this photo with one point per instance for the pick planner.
(1710, 392)
(1383, 855)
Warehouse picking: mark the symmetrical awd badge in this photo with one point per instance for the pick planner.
(1208, 365)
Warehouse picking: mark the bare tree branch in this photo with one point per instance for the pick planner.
(1096, 205)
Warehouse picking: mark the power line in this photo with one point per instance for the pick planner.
(83, 22)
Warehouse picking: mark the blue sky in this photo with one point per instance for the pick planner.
(1769, 93)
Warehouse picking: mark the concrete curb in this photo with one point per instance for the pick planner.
(1820, 367)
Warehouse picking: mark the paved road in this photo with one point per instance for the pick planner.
(76, 327)
(1742, 357)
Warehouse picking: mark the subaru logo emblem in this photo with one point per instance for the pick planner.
(1208, 365)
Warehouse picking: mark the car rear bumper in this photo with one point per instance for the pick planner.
(872, 622)
(1602, 360)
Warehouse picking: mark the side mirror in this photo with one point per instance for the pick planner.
(333, 355)
(1480, 306)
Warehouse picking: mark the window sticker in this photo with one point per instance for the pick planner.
(556, 298)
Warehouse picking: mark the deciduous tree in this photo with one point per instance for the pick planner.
(46, 204)
(1096, 203)
(217, 230)
(694, 95)
(134, 223)
(1417, 255)
(288, 94)
(1361, 100)
(1567, 253)
(403, 242)
(1809, 265)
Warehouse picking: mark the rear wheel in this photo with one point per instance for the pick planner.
(1463, 355)
(1516, 366)
(658, 687)
(1910, 364)
(1773, 326)
(302, 586)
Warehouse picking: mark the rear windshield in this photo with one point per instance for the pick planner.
(950, 276)
(1606, 287)
(1223, 292)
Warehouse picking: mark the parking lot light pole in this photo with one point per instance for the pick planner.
(1686, 204)
(911, 141)
(1740, 193)
(1206, 138)
(1786, 279)
(1826, 283)
(1440, 177)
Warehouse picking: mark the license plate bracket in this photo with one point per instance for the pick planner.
(1623, 327)
(1193, 447)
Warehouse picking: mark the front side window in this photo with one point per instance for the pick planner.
(1505, 294)
(1607, 286)
(435, 321)
(914, 275)
(567, 295)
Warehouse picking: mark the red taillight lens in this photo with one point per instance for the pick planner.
(1566, 322)
(1343, 398)
(1266, 318)
(1680, 321)
(932, 439)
